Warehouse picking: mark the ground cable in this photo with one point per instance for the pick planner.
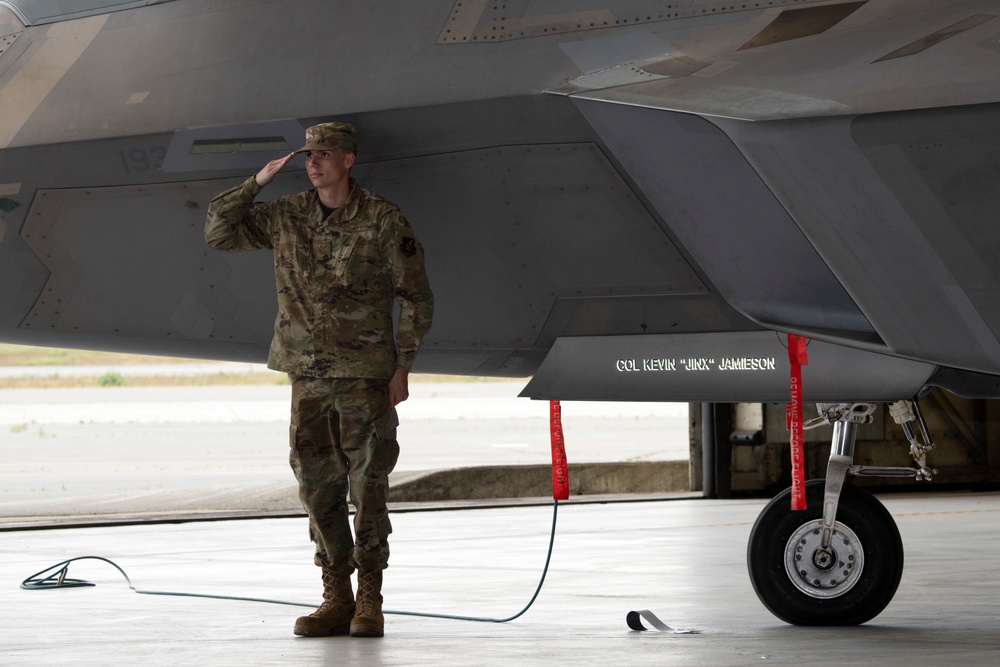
(55, 577)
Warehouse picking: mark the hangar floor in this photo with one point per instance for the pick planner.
(684, 559)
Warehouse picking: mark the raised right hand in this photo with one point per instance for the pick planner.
(271, 169)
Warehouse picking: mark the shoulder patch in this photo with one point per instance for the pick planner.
(408, 246)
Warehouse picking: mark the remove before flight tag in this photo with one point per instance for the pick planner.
(797, 358)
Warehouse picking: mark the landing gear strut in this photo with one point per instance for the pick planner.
(840, 561)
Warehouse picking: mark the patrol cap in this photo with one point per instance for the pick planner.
(326, 136)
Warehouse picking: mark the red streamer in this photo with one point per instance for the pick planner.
(560, 468)
(797, 358)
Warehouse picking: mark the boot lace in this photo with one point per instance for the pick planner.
(367, 597)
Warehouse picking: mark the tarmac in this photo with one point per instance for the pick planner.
(155, 451)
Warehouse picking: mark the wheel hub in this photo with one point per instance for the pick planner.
(824, 572)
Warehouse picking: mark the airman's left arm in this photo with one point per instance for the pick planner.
(405, 257)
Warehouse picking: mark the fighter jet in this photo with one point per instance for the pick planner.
(624, 199)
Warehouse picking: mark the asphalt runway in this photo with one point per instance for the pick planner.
(119, 450)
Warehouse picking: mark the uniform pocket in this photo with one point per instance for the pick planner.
(333, 254)
(358, 256)
(385, 426)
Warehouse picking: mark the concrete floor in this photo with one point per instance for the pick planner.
(682, 559)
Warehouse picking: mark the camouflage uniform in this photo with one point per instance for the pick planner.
(336, 278)
(336, 448)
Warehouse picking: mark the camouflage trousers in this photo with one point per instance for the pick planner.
(343, 442)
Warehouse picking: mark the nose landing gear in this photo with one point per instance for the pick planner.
(803, 583)
(838, 562)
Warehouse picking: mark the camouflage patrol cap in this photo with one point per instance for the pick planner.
(326, 136)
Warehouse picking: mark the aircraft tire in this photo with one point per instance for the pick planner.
(800, 584)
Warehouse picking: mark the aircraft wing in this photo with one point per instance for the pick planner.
(609, 180)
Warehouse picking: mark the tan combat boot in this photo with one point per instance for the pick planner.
(333, 616)
(368, 620)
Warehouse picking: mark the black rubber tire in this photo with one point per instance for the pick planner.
(879, 538)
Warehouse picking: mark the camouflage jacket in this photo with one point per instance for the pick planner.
(336, 278)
